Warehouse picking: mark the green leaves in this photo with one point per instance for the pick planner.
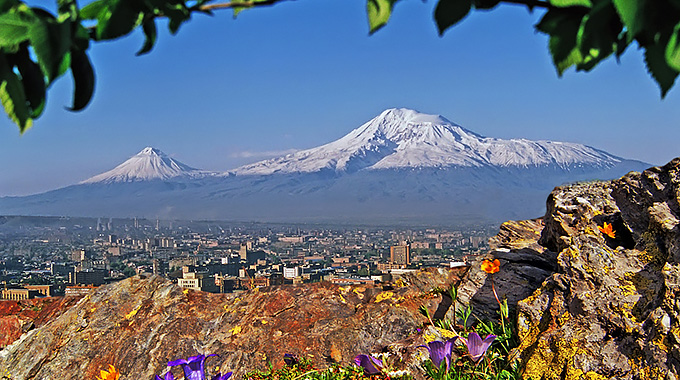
(450, 12)
(379, 12)
(83, 80)
(563, 28)
(659, 69)
(33, 81)
(149, 28)
(115, 18)
(37, 47)
(571, 3)
(673, 49)
(51, 41)
(14, 28)
(13, 97)
(632, 14)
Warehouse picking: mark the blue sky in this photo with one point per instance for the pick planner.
(225, 92)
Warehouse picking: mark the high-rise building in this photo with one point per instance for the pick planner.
(78, 255)
(243, 252)
(400, 254)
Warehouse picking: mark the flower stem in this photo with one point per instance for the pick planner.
(500, 305)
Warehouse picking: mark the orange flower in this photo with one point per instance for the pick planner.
(607, 230)
(491, 267)
(111, 374)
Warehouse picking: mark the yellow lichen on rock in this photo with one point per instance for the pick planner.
(383, 296)
(549, 359)
(133, 312)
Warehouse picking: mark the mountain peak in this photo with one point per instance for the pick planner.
(408, 115)
(151, 151)
(147, 165)
(401, 138)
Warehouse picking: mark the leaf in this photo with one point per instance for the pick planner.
(51, 41)
(81, 37)
(91, 11)
(673, 49)
(563, 28)
(450, 12)
(621, 44)
(632, 14)
(486, 4)
(6, 5)
(33, 82)
(237, 9)
(14, 29)
(13, 97)
(571, 3)
(83, 80)
(658, 68)
(149, 28)
(598, 35)
(177, 14)
(379, 12)
(68, 10)
(117, 19)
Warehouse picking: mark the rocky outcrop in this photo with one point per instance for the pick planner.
(524, 266)
(611, 309)
(18, 317)
(141, 323)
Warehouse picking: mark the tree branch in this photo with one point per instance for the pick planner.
(531, 4)
(237, 4)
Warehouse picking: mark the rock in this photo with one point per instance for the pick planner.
(18, 317)
(610, 309)
(524, 266)
(139, 325)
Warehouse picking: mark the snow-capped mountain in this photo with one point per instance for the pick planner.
(403, 138)
(402, 167)
(149, 164)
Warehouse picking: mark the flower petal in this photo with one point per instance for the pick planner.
(176, 362)
(290, 359)
(437, 352)
(222, 377)
(368, 363)
(474, 345)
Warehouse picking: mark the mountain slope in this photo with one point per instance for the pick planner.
(402, 167)
(148, 164)
(403, 138)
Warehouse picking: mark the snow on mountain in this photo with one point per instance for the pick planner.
(149, 164)
(404, 138)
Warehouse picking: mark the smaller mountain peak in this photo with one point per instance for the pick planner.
(151, 151)
(149, 164)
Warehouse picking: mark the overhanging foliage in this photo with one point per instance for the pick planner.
(37, 47)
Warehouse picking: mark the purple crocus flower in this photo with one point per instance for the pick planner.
(290, 359)
(476, 346)
(222, 377)
(193, 367)
(440, 351)
(168, 376)
(370, 364)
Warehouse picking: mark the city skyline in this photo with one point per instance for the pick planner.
(224, 92)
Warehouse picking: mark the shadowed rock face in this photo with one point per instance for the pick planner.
(141, 323)
(610, 310)
(524, 266)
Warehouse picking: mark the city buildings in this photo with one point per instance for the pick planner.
(75, 255)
